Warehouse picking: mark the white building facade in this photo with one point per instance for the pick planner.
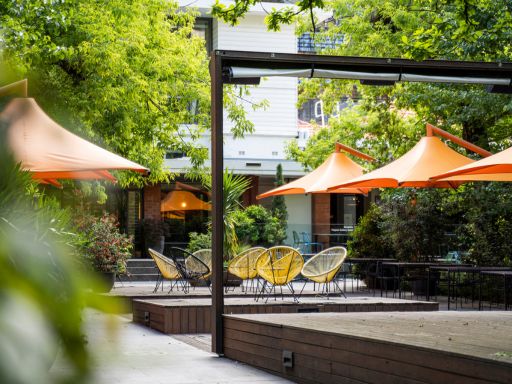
(259, 153)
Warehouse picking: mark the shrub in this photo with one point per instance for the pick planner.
(262, 227)
(199, 241)
(368, 238)
(245, 226)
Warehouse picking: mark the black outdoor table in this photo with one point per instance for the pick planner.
(507, 281)
(459, 269)
(369, 261)
(403, 267)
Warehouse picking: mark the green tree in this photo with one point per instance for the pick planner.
(278, 205)
(127, 75)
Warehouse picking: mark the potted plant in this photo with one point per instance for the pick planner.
(106, 248)
(154, 232)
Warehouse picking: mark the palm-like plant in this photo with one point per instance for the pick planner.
(234, 186)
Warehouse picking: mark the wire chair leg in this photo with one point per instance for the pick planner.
(303, 288)
(272, 288)
(343, 293)
(158, 281)
(293, 293)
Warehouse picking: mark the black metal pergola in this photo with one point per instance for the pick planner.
(497, 78)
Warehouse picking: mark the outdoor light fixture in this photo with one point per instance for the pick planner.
(288, 359)
(184, 204)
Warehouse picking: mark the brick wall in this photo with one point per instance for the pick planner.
(152, 199)
(321, 217)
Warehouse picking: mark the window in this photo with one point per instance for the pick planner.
(203, 28)
(275, 153)
(172, 154)
(241, 153)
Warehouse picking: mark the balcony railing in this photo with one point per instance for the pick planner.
(306, 43)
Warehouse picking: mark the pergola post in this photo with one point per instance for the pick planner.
(217, 201)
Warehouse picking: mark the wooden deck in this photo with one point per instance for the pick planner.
(397, 347)
(188, 315)
(120, 299)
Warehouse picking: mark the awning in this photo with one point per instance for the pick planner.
(51, 152)
(241, 72)
(336, 169)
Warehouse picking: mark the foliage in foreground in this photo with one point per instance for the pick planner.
(41, 284)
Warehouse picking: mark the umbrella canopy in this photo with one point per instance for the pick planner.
(50, 152)
(429, 157)
(497, 167)
(337, 169)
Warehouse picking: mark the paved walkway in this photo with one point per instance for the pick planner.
(130, 353)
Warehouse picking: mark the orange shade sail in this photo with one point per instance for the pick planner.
(336, 169)
(429, 157)
(497, 167)
(51, 152)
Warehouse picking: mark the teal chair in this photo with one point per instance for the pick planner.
(308, 243)
(296, 241)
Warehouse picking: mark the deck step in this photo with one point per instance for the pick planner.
(141, 270)
(140, 263)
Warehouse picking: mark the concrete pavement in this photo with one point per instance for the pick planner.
(128, 353)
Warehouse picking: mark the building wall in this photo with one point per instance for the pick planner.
(152, 200)
(299, 210)
(278, 122)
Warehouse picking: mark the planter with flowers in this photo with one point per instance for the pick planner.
(106, 249)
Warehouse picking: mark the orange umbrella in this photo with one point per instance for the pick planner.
(497, 167)
(429, 157)
(338, 168)
(50, 152)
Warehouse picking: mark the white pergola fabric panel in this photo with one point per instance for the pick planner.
(334, 74)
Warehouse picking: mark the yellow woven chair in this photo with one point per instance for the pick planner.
(279, 266)
(205, 255)
(166, 267)
(324, 266)
(244, 264)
